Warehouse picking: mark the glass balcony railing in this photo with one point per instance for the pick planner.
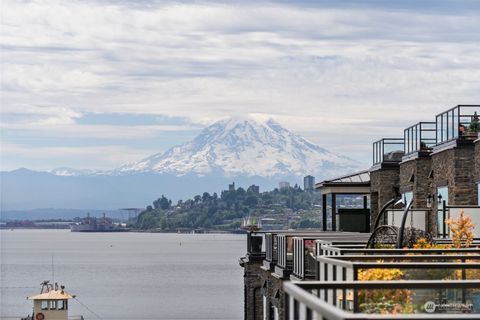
(388, 150)
(413, 300)
(420, 137)
(460, 121)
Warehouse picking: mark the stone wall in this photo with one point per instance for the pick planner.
(275, 296)
(455, 168)
(477, 161)
(418, 170)
(414, 177)
(253, 298)
(384, 185)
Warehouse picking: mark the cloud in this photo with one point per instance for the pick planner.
(319, 68)
(104, 157)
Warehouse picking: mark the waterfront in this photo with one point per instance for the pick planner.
(126, 275)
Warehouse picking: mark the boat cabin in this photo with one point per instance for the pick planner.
(51, 303)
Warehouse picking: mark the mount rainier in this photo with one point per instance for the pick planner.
(243, 150)
(245, 147)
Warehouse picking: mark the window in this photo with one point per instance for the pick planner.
(44, 304)
(53, 304)
(264, 308)
(478, 193)
(407, 197)
(61, 304)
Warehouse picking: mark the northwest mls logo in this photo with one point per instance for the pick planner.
(431, 307)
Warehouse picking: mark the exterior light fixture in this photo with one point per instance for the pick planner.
(429, 201)
(440, 198)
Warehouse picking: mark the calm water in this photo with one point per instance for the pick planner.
(126, 275)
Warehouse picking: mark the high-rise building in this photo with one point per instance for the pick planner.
(309, 183)
(284, 185)
(254, 189)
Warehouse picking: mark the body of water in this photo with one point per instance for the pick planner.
(126, 275)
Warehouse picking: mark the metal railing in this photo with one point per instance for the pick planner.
(453, 212)
(349, 267)
(305, 249)
(455, 122)
(388, 150)
(420, 137)
(302, 299)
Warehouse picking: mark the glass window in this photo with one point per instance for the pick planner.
(44, 304)
(61, 305)
(264, 308)
(53, 304)
(407, 197)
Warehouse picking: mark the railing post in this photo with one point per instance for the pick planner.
(444, 213)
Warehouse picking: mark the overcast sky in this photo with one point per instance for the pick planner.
(94, 84)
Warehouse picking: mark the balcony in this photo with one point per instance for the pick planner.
(417, 300)
(388, 151)
(460, 122)
(419, 139)
(305, 250)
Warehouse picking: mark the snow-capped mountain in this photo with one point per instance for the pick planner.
(70, 172)
(245, 147)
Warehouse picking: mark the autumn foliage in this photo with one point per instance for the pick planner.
(461, 230)
(384, 301)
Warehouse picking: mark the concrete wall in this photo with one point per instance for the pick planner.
(384, 185)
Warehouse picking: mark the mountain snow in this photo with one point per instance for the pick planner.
(245, 147)
(69, 172)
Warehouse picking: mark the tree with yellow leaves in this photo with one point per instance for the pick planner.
(384, 301)
(461, 230)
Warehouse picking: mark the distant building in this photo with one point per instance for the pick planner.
(254, 189)
(231, 187)
(309, 183)
(284, 185)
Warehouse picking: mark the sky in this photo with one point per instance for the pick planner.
(95, 84)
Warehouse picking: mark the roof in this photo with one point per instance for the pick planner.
(358, 177)
(355, 183)
(52, 295)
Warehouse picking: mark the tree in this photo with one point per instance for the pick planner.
(162, 203)
(462, 230)
(206, 197)
(197, 199)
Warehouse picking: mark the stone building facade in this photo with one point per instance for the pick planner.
(272, 290)
(384, 185)
(477, 166)
(414, 177)
(253, 297)
(454, 168)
